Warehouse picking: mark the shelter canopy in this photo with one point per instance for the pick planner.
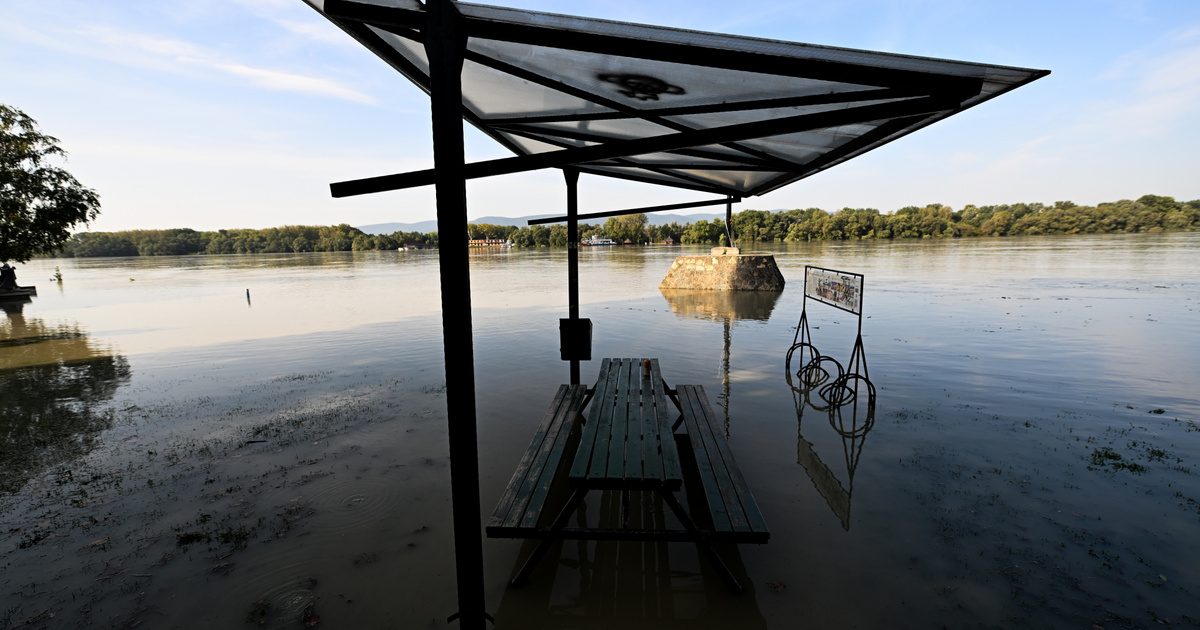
(732, 115)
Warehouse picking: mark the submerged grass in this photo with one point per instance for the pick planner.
(1106, 457)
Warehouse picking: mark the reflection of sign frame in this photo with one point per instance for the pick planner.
(839, 289)
(836, 495)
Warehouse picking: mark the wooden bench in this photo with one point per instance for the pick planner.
(735, 516)
(519, 511)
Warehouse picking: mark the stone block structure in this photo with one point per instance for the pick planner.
(724, 269)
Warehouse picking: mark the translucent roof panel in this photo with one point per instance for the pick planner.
(606, 76)
(723, 113)
(497, 93)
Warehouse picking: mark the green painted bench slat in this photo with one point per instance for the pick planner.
(599, 423)
(735, 513)
(643, 461)
(522, 502)
(627, 382)
(670, 470)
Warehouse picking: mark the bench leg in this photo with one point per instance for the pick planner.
(543, 545)
(731, 580)
(702, 542)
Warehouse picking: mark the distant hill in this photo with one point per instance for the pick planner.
(656, 218)
(388, 228)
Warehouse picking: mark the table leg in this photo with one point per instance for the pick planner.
(560, 522)
(702, 542)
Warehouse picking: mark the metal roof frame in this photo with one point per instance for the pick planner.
(872, 90)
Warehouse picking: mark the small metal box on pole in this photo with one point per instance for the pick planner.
(575, 339)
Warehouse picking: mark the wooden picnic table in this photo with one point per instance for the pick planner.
(628, 443)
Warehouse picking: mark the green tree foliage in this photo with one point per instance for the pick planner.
(660, 233)
(703, 231)
(91, 244)
(627, 228)
(477, 231)
(1149, 213)
(39, 202)
(286, 239)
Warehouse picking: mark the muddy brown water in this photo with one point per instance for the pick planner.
(173, 454)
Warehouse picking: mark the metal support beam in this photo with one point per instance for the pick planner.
(445, 52)
(652, 144)
(729, 220)
(572, 177)
(617, 213)
(710, 108)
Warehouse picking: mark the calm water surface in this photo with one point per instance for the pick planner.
(179, 453)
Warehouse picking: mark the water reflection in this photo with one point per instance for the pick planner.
(851, 417)
(54, 381)
(628, 585)
(14, 306)
(725, 307)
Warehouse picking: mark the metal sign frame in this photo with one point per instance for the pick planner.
(838, 391)
(834, 393)
(861, 287)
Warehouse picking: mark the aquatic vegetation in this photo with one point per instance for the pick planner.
(1105, 456)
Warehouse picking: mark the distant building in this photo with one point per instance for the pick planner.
(487, 242)
(596, 241)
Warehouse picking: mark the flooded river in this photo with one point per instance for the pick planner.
(260, 441)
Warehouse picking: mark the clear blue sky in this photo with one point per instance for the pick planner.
(239, 113)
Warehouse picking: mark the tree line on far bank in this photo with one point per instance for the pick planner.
(1149, 213)
(286, 239)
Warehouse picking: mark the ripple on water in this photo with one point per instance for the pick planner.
(353, 502)
(281, 588)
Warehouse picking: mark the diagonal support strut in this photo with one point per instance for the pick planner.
(652, 144)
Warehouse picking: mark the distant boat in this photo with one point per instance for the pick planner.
(18, 293)
(597, 242)
(488, 242)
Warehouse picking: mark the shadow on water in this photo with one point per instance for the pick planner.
(53, 383)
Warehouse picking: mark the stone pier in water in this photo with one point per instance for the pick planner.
(724, 269)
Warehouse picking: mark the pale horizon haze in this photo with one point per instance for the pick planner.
(239, 114)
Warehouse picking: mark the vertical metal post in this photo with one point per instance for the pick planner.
(444, 44)
(725, 371)
(729, 219)
(572, 177)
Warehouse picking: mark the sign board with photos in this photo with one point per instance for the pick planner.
(839, 289)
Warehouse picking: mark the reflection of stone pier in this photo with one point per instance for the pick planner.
(722, 306)
(724, 269)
